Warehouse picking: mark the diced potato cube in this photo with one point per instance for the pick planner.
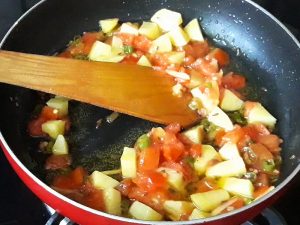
(193, 30)
(128, 163)
(110, 58)
(198, 214)
(167, 19)
(229, 151)
(108, 25)
(195, 134)
(101, 181)
(112, 201)
(176, 57)
(201, 163)
(150, 30)
(99, 49)
(233, 167)
(144, 61)
(176, 209)
(141, 211)
(129, 29)
(207, 201)
(220, 118)
(54, 128)
(230, 101)
(60, 146)
(258, 114)
(236, 186)
(174, 178)
(116, 45)
(178, 37)
(61, 104)
(161, 44)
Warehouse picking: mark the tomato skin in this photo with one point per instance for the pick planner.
(73, 180)
(126, 38)
(271, 141)
(206, 184)
(130, 59)
(141, 43)
(207, 67)
(197, 49)
(89, 39)
(35, 127)
(125, 186)
(262, 155)
(195, 150)
(151, 181)
(160, 60)
(148, 159)
(172, 148)
(234, 81)
(220, 55)
(233, 136)
(173, 128)
(49, 113)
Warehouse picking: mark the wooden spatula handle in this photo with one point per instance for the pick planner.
(130, 89)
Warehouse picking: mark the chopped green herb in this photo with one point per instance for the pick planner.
(268, 165)
(237, 117)
(143, 142)
(128, 49)
(76, 40)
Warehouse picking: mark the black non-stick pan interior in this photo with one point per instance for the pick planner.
(259, 47)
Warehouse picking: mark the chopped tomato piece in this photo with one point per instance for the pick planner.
(220, 55)
(195, 150)
(233, 136)
(188, 60)
(160, 59)
(130, 59)
(148, 159)
(206, 66)
(142, 43)
(262, 155)
(248, 106)
(173, 128)
(126, 38)
(260, 191)
(206, 184)
(197, 49)
(125, 186)
(154, 199)
(151, 181)
(49, 113)
(89, 39)
(271, 141)
(234, 81)
(65, 54)
(92, 197)
(35, 127)
(73, 180)
(233, 204)
(172, 148)
(262, 180)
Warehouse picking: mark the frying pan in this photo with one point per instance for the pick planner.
(259, 45)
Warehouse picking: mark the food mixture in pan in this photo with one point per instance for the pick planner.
(230, 159)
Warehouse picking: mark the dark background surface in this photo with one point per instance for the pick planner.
(18, 206)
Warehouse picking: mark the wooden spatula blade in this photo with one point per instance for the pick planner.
(129, 89)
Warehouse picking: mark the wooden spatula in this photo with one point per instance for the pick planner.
(129, 89)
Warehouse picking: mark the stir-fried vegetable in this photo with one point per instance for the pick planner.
(226, 161)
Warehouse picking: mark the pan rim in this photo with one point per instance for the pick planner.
(124, 219)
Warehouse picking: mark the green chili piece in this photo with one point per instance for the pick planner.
(268, 165)
(128, 49)
(143, 142)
